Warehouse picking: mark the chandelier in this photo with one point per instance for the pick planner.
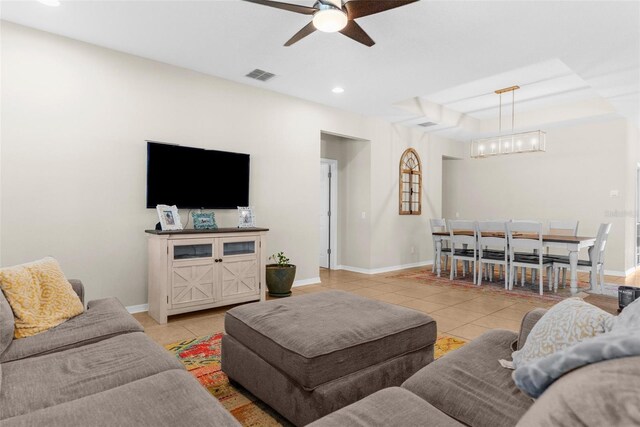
(511, 143)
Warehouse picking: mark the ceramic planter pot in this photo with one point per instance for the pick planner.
(280, 279)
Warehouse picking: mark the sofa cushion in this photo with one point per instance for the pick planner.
(566, 323)
(602, 394)
(171, 398)
(320, 337)
(392, 406)
(469, 384)
(622, 341)
(40, 382)
(40, 296)
(6, 323)
(103, 319)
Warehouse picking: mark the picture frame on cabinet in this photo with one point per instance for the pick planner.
(246, 217)
(204, 220)
(169, 217)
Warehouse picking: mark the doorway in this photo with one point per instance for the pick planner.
(638, 215)
(328, 218)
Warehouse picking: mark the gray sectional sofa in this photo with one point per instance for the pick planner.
(468, 387)
(97, 369)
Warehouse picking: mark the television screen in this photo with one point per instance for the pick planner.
(194, 178)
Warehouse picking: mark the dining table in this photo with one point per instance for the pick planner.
(572, 244)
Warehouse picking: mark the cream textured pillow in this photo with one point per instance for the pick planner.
(565, 324)
(39, 295)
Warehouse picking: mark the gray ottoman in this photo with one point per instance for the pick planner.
(311, 355)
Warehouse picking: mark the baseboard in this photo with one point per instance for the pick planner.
(138, 308)
(618, 273)
(383, 269)
(305, 282)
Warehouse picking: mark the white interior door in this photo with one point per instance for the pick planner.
(325, 207)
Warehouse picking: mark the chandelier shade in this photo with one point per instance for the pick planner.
(525, 142)
(511, 143)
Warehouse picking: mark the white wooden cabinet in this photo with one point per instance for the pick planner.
(193, 270)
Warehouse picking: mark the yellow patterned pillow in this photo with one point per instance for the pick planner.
(39, 295)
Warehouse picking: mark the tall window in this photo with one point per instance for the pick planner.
(410, 183)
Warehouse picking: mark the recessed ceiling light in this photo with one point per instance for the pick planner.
(337, 89)
(52, 3)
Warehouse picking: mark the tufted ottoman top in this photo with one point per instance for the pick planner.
(323, 336)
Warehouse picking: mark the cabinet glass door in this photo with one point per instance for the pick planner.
(239, 248)
(192, 249)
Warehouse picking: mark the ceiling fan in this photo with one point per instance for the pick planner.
(331, 16)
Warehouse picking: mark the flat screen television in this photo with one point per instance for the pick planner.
(194, 178)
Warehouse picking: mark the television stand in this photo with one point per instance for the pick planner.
(192, 270)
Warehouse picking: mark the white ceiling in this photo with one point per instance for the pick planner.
(429, 50)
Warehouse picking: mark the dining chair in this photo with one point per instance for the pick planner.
(527, 236)
(440, 225)
(464, 246)
(562, 228)
(594, 265)
(492, 249)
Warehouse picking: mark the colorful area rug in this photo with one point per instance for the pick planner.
(528, 291)
(201, 357)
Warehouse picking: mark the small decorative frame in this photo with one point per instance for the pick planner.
(246, 217)
(410, 195)
(169, 217)
(204, 220)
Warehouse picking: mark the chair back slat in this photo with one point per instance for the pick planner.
(525, 235)
(564, 228)
(457, 226)
(438, 225)
(597, 253)
(492, 234)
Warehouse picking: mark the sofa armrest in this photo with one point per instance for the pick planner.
(528, 322)
(78, 287)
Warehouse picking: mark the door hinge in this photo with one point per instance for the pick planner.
(167, 299)
(329, 174)
(329, 213)
(329, 251)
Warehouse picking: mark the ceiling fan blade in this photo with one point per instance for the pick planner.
(286, 6)
(304, 32)
(359, 8)
(355, 31)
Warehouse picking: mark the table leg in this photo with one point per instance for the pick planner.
(573, 262)
(438, 256)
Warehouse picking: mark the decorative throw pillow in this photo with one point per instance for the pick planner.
(622, 341)
(565, 324)
(40, 296)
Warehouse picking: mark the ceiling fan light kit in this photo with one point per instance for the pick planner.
(330, 20)
(331, 16)
(512, 143)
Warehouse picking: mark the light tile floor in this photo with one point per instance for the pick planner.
(464, 313)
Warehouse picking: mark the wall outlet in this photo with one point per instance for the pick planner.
(614, 193)
(413, 249)
(364, 215)
(457, 214)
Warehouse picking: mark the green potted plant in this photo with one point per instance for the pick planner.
(280, 275)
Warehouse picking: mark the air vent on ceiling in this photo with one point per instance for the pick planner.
(261, 75)
(427, 124)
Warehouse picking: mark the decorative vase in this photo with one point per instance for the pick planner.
(280, 279)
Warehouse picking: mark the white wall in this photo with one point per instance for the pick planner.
(74, 120)
(572, 180)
